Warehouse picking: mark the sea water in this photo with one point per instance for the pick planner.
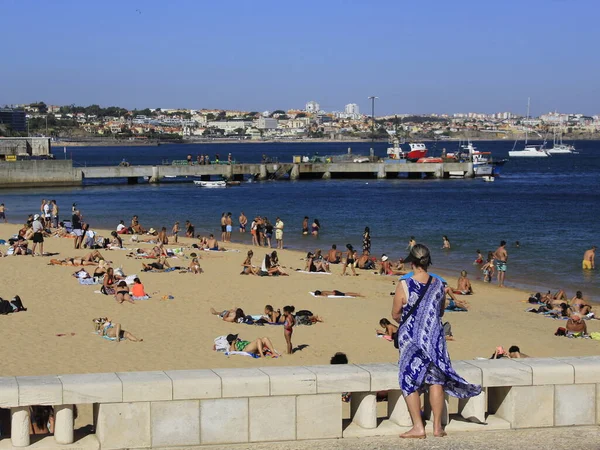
(550, 205)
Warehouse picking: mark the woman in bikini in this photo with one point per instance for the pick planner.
(315, 227)
(337, 293)
(272, 315)
(248, 268)
(288, 326)
(108, 284)
(162, 264)
(122, 293)
(389, 329)
(579, 305)
(113, 331)
(259, 346)
(231, 315)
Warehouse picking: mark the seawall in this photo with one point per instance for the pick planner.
(31, 173)
(192, 408)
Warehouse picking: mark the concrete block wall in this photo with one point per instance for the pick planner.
(226, 406)
(39, 173)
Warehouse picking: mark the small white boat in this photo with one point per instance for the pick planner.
(529, 151)
(559, 148)
(488, 179)
(211, 184)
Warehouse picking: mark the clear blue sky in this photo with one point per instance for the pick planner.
(417, 56)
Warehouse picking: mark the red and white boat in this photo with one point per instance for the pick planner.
(430, 159)
(414, 152)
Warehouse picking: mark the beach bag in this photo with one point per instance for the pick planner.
(107, 291)
(447, 329)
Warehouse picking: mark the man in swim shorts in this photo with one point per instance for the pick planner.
(228, 227)
(501, 257)
(589, 258)
(279, 232)
(243, 222)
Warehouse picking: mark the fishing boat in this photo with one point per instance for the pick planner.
(558, 148)
(414, 152)
(211, 184)
(482, 165)
(529, 150)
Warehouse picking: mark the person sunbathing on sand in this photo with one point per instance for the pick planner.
(259, 346)
(232, 315)
(270, 266)
(387, 269)
(453, 302)
(248, 268)
(464, 285)
(389, 329)
(579, 305)
(90, 259)
(337, 293)
(195, 266)
(576, 326)
(273, 316)
(113, 331)
(122, 293)
(161, 264)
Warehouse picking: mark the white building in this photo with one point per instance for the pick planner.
(352, 108)
(312, 107)
(230, 125)
(265, 123)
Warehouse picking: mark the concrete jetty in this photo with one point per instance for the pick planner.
(22, 173)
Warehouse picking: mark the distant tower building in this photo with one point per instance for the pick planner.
(312, 107)
(352, 109)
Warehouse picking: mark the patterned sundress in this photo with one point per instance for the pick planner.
(424, 358)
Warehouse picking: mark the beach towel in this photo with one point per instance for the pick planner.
(145, 297)
(455, 309)
(242, 354)
(88, 281)
(313, 273)
(332, 296)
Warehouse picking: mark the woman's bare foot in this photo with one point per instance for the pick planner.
(440, 433)
(414, 434)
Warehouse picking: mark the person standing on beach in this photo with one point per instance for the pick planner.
(279, 232)
(38, 235)
(175, 231)
(424, 363)
(77, 228)
(228, 227)
(589, 259)
(243, 222)
(501, 258)
(55, 218)
(223, 227)
(3, 212)
(367, 240)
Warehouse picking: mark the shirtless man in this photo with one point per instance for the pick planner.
(243, 222)
(211, 243)
(589, 259)
(579, 305)
(334, 256)
(464, 285)
(501, 257)
(387, 269)
(228, 227)
(223, 227)
(136, 227)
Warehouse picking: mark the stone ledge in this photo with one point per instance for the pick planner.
(9, 392)
(92, 388)
(238, 383)
(290, 380)
(146, 386)
(503, 372)
(195, 384)
(40, 390)
(341, 378)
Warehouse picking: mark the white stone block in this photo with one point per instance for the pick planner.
(384, 376)
(243, 382)
(291, 380)
(470, 373)
(175, 423)
(19, 426)
(91, 388)
(146, 386)
(9, 392)
(194, 384)
(224, 421)
(524, 406)
(397, 409)
(363, 409)
(548, 371)
(575, 404)
(64, 422)
(123, 425)
(272, 419)
(503, 372)
(341, 378)
(587, 368)
(44, 390)
(318, 416)
(473, 409)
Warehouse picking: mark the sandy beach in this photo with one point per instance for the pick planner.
(55, 335)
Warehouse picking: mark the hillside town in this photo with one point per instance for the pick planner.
(311, 122)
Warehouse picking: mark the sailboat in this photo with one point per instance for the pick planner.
(558, 148)
(529, 150)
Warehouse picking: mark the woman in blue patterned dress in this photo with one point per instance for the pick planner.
(424, 361)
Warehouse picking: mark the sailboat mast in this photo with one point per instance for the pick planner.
(527, 118)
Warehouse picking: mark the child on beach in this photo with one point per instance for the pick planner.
(175, 231)
(195, 266)
(138, 290)
(288, 326)
(479, 260)
(488, 268)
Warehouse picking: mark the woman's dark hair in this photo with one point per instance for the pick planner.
(339, 358)
(289, 309)
(384, 322)
(478, 251)
(136, 280)
(349, 247)
(267, 261)
(445, 237)
(317, 292)
(239, 313)
(269, 308)
(41, 415)
(367, 230)
(113, 233)
(578, 294)
(514, 349)
(317, 222)
(310, 255)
